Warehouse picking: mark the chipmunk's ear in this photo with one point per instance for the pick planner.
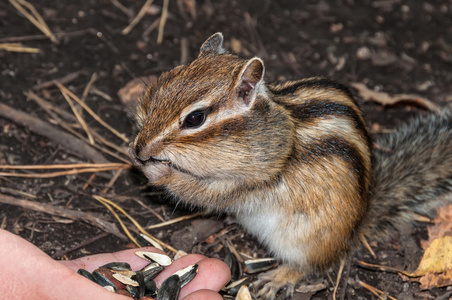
(250, 78)
(214, 44)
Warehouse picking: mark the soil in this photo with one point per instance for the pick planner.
(390, 45)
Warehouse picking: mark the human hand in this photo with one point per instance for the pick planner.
(29, 273)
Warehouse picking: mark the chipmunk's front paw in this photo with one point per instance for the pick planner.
(270, 283)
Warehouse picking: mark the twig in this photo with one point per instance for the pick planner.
(149, 209)
(16, 192)
(44, 37)
(183, 51)
(63, 212)
(107, 42)
(43, 128)
(163, 21)
(92, 113)
(100, 138)
(366, 245)
(49, 107)
(112, 181)
(338, 278)
(122, 8)
(345, 273)
(60, 253)
(34, 17)
(151, 28)
(382, 268)
(233, 249)
(88, 182)
(78, 117)
(88, 86)
(173, 221)
(380, 294)
(138, 17)
(102, 94)
(63, 80)
(99, 147)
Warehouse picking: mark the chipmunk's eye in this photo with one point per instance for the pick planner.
(194, 119)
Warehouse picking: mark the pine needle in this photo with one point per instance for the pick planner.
(56, 174)
(91, 112)
(380, 294)
(16, 47)
(111, 166)
(79, 118)
(338, 278)
(137, 18)
(366, 245)
(173, 221)
(121, 223)
(137, 225)
(34, 17)
(163, 21)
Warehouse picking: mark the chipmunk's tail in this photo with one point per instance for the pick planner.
(412, 173)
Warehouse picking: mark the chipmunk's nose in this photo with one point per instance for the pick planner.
(141, 156)
(138, 158)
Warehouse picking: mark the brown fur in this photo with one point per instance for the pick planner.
(291, 160)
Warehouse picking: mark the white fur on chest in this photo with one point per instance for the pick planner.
(283, 234)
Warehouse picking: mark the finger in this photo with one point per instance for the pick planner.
(213, 274)
(204, 295)
(28, 273)
(92, 262)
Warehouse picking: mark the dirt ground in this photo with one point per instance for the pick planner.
(399, 47)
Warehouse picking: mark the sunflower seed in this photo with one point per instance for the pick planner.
(109, 288)
(133, 291)
(253, 266)
(150, 288)
(187, 274)
(145, 241)
(170, 288)
(86, 274)
(117, 266)
(103, 281)
(243, 293)
(161, 259)
(124, 279)
(140, 279)
(234, 286)
(234, 266)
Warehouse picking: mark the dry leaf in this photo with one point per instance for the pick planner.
(435, 268)
(134, 91)
(433, 280)
(385, 99)
(236, 45)
(442, 227)
(437, 258)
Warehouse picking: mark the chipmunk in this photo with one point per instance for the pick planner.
(292, 160)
